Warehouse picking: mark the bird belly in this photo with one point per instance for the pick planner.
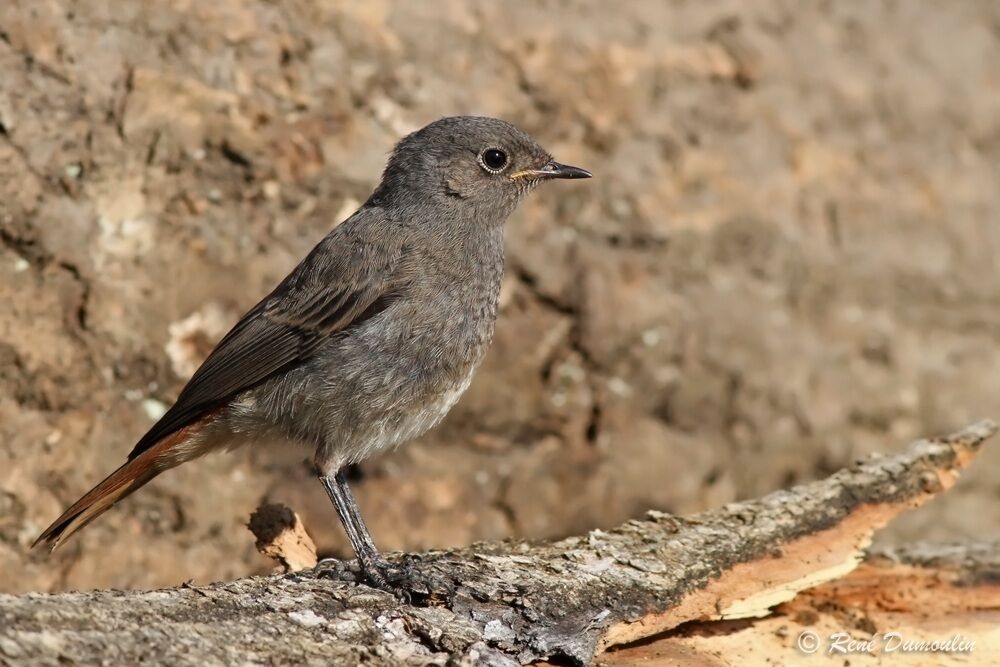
(393, 430)
(387, 382)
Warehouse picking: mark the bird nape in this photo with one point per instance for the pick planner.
(371, 339)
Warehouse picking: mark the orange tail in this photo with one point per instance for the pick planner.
(132, 476)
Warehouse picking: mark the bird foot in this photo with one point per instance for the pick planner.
(410, 585)
(341, 570)
(403, 580)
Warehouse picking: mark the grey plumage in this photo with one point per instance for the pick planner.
(373, 337)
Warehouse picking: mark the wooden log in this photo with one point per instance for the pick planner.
(518, 603)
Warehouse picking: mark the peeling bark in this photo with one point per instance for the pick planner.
(895, 605)
(516, 602)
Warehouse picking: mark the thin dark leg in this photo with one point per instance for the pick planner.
(372, 563)
(399, 579)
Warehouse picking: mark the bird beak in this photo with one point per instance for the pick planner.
(552, 169)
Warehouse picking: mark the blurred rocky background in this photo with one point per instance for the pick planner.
(789, 257)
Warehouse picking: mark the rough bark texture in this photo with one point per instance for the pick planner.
(520, 602)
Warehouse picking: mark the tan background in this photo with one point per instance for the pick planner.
(789, 257)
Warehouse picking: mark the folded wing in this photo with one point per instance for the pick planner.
(346, 279)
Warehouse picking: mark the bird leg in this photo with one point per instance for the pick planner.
(400, 580)
(373, 566)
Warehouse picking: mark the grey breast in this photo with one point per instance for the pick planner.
(395, 376)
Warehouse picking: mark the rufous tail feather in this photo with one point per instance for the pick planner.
(119, 484)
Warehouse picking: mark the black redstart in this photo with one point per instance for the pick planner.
(371, 339)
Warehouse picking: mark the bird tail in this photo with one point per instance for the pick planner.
(132, 476)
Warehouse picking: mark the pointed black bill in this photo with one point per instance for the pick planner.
(552, 169)
(556, 170)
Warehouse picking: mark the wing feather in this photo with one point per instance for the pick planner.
(349, 277)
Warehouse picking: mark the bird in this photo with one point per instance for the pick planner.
(371, 339)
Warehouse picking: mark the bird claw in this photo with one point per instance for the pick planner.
(341, 570)
(414, 587)
(402, 580)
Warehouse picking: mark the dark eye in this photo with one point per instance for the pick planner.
(493, 160)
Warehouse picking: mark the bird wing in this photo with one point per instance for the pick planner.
(346, 279)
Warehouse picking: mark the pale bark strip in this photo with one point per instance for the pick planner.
(282, 537)
(928, 605)
(515, 602)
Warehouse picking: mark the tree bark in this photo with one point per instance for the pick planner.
(570, 600)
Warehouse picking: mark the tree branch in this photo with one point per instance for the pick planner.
(515, 602)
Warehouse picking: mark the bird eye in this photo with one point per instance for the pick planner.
(493, 160)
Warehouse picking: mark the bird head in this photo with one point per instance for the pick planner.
(469, 163)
